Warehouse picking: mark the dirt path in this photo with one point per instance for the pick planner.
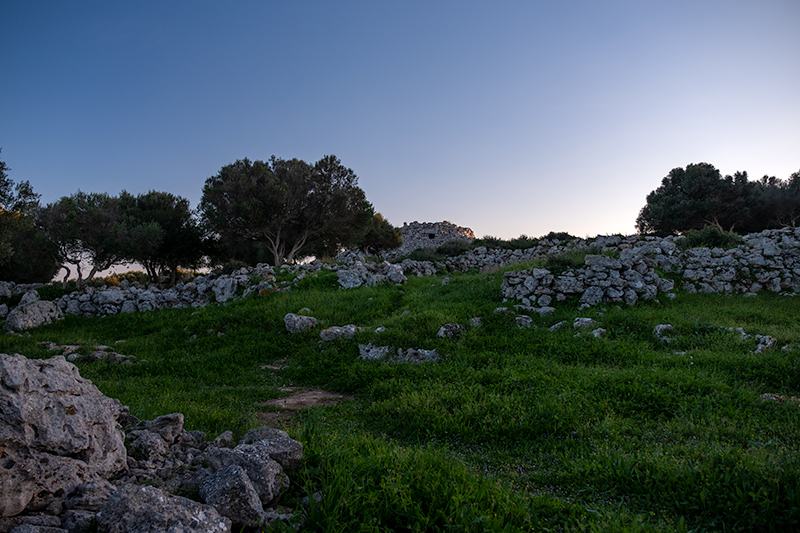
(300, 398)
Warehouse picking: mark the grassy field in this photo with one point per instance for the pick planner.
(514, 429)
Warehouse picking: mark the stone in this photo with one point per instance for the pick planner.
(147, 446)
(29, 297)
(266, 474)
(338, 332)
(231, 492)
(660, 332)
(32, 315)
(111, 296)
(450, 331)
(57, 431)
(281, 448)
(370, 351)
(168, 427)
(583, 323)
(523, 321)
(90, 496)
(599, 332)
(592, 296)
(415, 355)
(298, 323)
(224, 289)
(146, 509)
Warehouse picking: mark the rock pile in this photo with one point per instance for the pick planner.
(64, 464)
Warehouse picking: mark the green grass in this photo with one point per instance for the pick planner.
(514, 429)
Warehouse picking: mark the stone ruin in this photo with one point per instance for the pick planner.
(429, 235)
(73, 460)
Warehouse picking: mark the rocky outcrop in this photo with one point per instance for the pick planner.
(64, 464)
(57, 432)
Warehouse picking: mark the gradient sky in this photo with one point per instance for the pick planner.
(510, 117)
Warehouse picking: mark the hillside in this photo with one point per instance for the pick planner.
(552, 422)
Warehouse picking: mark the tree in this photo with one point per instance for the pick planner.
(88, 228)
(18, 203)
(694, 197)
(161, 233)
(380, 236)
(35, 257)
(288, 205)
(26, 254)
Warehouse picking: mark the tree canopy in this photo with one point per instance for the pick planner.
(291, 207)
(161, 233)
(699, 195)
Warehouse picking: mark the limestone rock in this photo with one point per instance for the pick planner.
(279, 446)
(54, 422)
(32, 315)
(370, 351)
(231, 492)
(266, 474)
(298, 323)
(450, 331)
(338, 332)
(144, 509)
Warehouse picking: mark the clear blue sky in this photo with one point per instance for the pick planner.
(509, 117)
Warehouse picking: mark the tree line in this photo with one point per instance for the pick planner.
(276, 211)
(697, 196)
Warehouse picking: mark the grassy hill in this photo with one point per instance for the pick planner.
(514, 429)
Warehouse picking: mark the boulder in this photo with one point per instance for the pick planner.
(231, 492)
(57, 431)
(32, 315)
(144, 509)
(266, 475)
(224, 289)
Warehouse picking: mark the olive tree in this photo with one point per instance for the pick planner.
(290, 207)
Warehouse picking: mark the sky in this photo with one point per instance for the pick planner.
(508, 117)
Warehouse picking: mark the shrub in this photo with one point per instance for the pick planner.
(425, 254)
(560, 235)
(710, 237)
(454, 248)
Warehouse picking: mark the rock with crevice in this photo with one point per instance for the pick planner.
(149, 509)
(57, 431)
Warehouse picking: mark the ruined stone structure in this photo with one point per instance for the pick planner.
(429, 235)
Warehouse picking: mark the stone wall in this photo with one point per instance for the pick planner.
(647, 266)
(429, 235)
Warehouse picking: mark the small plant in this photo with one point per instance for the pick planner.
(710, 237)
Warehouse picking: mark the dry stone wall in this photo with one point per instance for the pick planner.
(648, 266)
